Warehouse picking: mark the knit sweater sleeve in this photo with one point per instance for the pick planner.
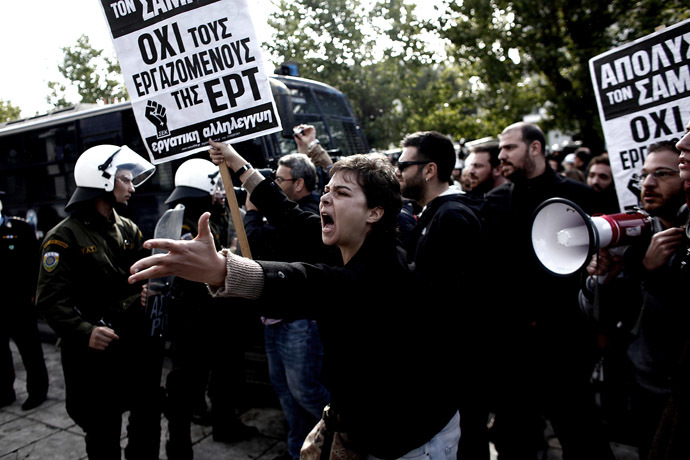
(245, 278)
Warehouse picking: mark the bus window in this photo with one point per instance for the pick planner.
(332, 104)
(347, 137)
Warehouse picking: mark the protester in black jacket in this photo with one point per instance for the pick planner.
(545, 349)
(446, 248)
(671, 440)
(293, 347)
(373, 350)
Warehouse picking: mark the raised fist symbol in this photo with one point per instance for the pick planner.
(155, 113)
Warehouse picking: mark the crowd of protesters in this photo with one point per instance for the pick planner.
(425, 327)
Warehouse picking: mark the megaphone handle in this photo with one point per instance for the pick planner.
(235, 211)
(595, 303)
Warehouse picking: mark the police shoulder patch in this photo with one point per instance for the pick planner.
(55, 242)
(50, 261)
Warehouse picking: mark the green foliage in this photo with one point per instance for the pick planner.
(504, 59)
(8, 112)
(554, 41)
(375, 56)
(95, 76)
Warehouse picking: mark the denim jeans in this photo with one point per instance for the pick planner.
(443, 446)
(295, 356)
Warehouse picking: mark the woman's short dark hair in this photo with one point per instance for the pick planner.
(376, 175)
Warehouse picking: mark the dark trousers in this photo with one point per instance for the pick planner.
(545, 375)
(206, 354)
(474, 404)
(474, 437)
(647, 408)
(188, 378)
(101, 385)
(18, 322)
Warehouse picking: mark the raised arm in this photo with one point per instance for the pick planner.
(194, 260)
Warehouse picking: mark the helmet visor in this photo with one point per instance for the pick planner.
(129, 160)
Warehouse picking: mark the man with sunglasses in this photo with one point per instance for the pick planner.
(446, 247)
(643, 291)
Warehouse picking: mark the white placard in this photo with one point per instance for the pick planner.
(194, 71)
(643, 93)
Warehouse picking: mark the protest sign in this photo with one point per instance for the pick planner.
(643, 95)
(193, 70)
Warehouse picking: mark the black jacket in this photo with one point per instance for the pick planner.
(533, 307)
(19, 251)
(296, 242)
(447, 242)
(269, 243)
(375, 346)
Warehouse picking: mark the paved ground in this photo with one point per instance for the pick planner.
(47, 432)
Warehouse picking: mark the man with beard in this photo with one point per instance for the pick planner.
(448, 232)
(484, 168)
(544, 348)
(650, 291)
(600, 178)
(671, 440)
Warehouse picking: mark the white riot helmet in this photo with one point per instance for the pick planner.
(94, 172)
(195, 178)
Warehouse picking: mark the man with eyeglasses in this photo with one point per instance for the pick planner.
(110, 362)
(293, 347)
(447, 249)
(671, 438)
(662, 188)
(643, 292)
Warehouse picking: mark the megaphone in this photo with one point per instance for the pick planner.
(564, 237)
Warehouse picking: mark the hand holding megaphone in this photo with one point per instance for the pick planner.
(564, 237)
(605, 265)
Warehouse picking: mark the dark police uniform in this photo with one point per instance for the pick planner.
(206, 350)
(83, 284)
(18, 271)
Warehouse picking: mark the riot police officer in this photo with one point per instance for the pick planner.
(201, 354)
(110, 362)
(19, 256)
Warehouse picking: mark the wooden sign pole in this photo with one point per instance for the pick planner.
(235, 211)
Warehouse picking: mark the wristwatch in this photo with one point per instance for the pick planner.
(242, 170)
